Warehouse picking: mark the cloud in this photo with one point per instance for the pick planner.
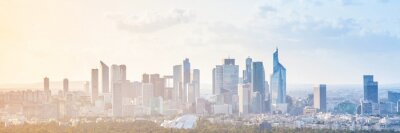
(152, 21)
(351, 2)
(265, 9)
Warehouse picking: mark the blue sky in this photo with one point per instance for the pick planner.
(331, 41)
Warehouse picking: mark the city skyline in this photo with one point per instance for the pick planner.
(200, 66)
(339, 43)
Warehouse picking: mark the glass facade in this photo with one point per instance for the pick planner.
(370, 89)
(278, 81)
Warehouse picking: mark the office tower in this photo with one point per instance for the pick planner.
(398, 106)
(247, 75)
(123, 72)
(168, 87)
(217, 79)
(226, 79)
(147, 93)
(46, 84)
(186, 78)
(320, 97)
(256, 101)
(158, 84)
(145, 78)
(105, 78)
(244, 91)
(65, 85)
(191, 96)
(393, 96)
(366, 107)
(118, 95)
(196, 82)
(137, 87)
(370, 89)
(95, 84)
(259, 82)
(278, 85)
(186, 71)
(230, 76)
(177, 74)
(118, 73)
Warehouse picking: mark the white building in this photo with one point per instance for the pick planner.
(244, 91)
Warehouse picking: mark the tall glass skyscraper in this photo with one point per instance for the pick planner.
(259, 83)
(105, 78)
(186, 79)
(278, 81)
(247, 75)
(226, 79)
(370, 89)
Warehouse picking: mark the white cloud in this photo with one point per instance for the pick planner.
(151, 21)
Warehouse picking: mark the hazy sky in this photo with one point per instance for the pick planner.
(320, 41)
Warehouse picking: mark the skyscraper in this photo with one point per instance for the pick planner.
(95, 84)
(158, 84)
(65, 85)
(105, 78)
(278, 85)
(118, 73)
(186, 78)
(117, 96)
(177, 79)
(247, 75)
(46, 84)
(217, 79)
(226, 79)
(244, 92)
(123, 72)
(320, 97)
(370, 89)
(259, 82)
(196, 82)
(145, 78)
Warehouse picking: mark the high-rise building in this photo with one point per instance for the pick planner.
(117, 96)
(65, 85)
(46, 84)
(147, 93)
(320, 97)
(177, 79)
(278, 85)
(370, 89)
(118, 73)
(196, 82)
(95, 84)
(105, 78)
(244, 91)
(226, 79)
(398, 106)
(186, 71)
(123, 72)
(168, 87)
(145, 78)
(393, 96)
(247, 75)
(259, 82)
(158, 84)
(256, 102)
(217, 79)
(186, 79)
